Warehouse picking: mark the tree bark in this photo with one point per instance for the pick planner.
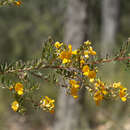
(69, 111)
(110, 22)
(75, 31)
(110, 13)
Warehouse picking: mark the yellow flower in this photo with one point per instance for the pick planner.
(19, 88)
(98, 97)
(15, 106)
(99, 83)
(91, 51)
(101, 87)
(66, 60)
(92, 75)
(116, 85)
(74, 88)
(86, 70)
(58, 44)
(87, 43)
(104, 91)
(70, 47)
(74, 83)
(74, 52)
(18, 3)
(47, 104)
(86, 54)
(66, 55)
(74, 92)
(82, 62)
(100, 91)
(123, 93)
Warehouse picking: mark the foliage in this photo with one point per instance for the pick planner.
(72, 69)
(9, 2)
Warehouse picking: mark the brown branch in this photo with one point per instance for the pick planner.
(110, 60)
(31, 68)
(61, 67)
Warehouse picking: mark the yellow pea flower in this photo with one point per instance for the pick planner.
(92, 75)
(70, 47)
(74, 88)
(86, 54)
(74, 92)
(85, 70)
(72, 82)
(18, 3)
(98, 97)
(82, 61)
(74, 52)
(66, 61)
(19, 88)
(58, 44)
(116, 85)
(66, 55)
(47, 104)
(91, 51)
(87, 43)
(15, 106)
(123, 93)
(100, 85)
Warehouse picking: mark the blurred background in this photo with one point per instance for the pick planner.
(22, 32)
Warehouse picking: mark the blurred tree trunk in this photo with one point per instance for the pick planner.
(110, 13)
(69, 114)
(110, 21)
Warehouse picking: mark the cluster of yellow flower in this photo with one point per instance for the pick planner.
(99, 87)
(82, 56)
(90, 49)
(91, 74)
(19, 88)
(74, 88)
(99, 92)
(121, 91)
(115, 90)
(83, 74)
(47, 104)
(65, 54)
(75, 61)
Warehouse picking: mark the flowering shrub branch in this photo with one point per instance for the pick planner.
(74, 69)
(68, 68)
